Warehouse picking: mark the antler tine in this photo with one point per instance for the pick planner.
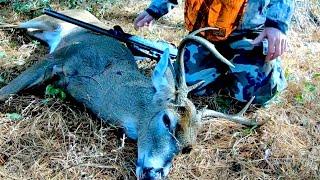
(182, 85)
(183, 88)
(238, 118)
(201, 30)
(190, 88)
(180, 56)
(211, 47)
(246, 107)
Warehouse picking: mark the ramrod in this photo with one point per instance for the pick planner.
(101, 73)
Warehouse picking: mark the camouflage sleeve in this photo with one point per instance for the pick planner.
(159, 8)
(279, 13)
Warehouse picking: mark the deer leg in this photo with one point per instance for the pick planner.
(34, 75)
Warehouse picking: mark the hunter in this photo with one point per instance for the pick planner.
(257, 70)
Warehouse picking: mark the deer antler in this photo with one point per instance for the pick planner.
(203, 29)
(237, 118)
(184, 89)
(182, 85)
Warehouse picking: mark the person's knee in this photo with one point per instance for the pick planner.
(262, 91)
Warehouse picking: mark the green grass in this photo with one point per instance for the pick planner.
(55, 92)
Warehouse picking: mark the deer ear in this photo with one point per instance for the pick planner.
(163, 74)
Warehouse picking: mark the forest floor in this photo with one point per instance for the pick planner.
(47, 138)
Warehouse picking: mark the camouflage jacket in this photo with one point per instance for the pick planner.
(259, 13)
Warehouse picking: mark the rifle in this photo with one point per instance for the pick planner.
(139, 46)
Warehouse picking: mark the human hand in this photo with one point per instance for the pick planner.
(277, 42)
(143, 19)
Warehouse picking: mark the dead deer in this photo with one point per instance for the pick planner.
(101, 73)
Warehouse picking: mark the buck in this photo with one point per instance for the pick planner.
(101, 73)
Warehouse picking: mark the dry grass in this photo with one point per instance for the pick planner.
(60, 140)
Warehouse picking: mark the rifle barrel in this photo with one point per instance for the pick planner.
(99, 30)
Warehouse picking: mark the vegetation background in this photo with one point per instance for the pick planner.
(47, 137)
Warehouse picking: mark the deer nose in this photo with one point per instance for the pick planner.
(152, 174)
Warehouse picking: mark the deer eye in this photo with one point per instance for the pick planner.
(166, 121)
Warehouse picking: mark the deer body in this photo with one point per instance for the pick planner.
(101, 73)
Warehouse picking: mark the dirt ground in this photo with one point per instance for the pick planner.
(47, 138)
